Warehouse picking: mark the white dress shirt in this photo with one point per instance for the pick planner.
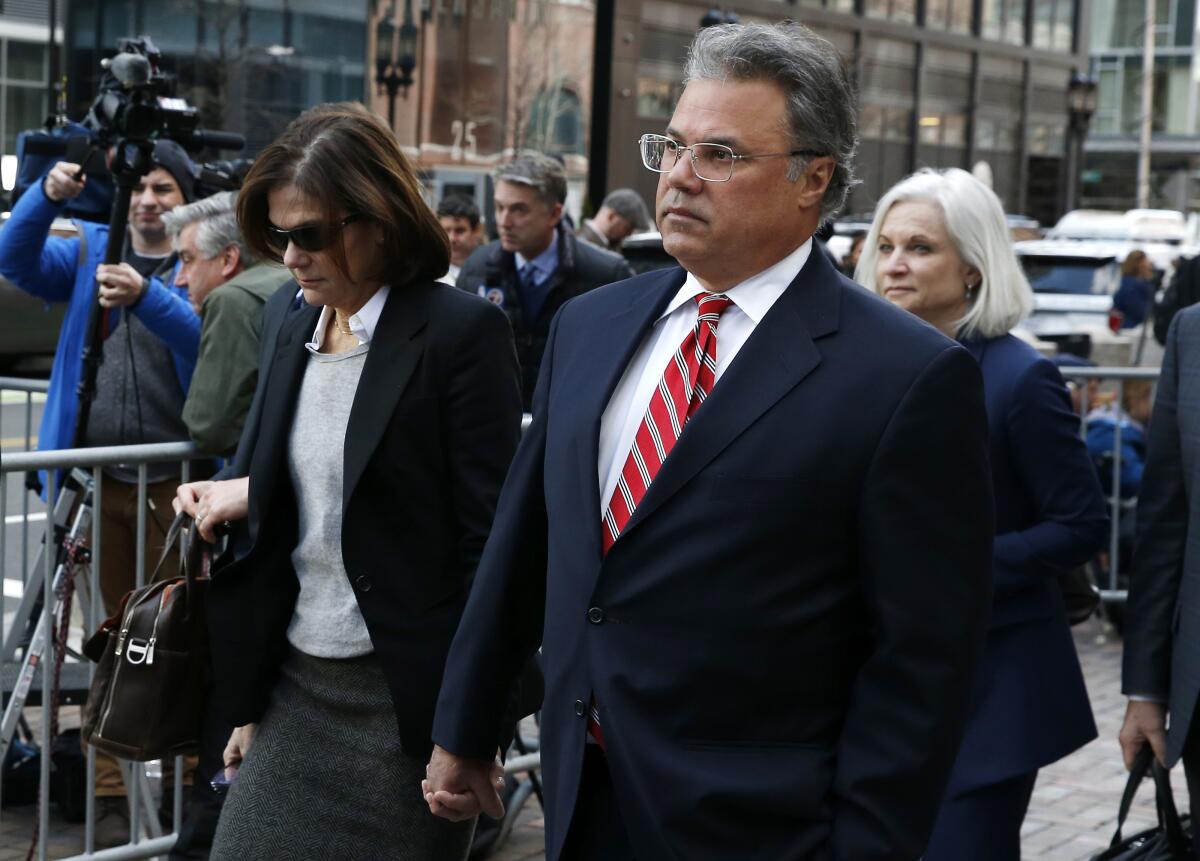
(752, 299)
(362, 324)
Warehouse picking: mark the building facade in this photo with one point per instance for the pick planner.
(941, 83)
(1111, 152)
(24, 75)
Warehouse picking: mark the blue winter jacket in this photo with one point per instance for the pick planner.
(50, 268)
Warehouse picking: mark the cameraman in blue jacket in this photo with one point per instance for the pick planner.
(151, 339)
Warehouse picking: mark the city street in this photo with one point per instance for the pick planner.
(1071, 818)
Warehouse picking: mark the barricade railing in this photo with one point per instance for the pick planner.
(72, 471)
(1113, 380)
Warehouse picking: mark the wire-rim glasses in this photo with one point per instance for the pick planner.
(711, 162)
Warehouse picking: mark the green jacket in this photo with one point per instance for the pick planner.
(227, 366)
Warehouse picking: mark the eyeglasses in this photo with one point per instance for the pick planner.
(711, 162)
(310, 237)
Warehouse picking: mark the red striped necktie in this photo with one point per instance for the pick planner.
(685, 384)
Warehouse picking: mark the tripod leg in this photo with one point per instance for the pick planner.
(30, 607)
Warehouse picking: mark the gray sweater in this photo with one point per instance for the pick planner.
(327, 622)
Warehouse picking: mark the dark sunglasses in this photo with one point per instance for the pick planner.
(310, 237)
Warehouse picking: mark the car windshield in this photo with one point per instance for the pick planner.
(1070, 275)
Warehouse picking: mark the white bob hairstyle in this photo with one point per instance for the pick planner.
(975, 223)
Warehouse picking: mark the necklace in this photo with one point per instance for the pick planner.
(343, 326)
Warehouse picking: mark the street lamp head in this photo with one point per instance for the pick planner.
(1082, 97)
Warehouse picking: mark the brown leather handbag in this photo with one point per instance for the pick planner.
(147, 696)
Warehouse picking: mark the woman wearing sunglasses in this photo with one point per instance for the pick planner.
(391, 410)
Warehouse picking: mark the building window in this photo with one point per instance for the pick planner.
(902, 11)
(952, 15)
(23, 74)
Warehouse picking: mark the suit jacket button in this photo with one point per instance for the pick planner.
(363, 582)
(580, 708)
(595, 615)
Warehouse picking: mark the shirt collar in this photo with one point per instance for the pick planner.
(545, 263)
(362, 324)
(756, 294)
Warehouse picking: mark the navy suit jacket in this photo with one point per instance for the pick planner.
(1162, 636)
(1029, 706)
(781, 641)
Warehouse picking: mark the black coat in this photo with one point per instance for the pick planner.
(434, 424)
(491, 272)
(1162, 618)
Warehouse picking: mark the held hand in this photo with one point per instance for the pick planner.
(1144, 722)
(60, 184)
(239, 744)
(120, 284)
(220, 502)
(187, 497)
(457, 788)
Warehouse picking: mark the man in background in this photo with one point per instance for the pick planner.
(227, 288)
(536, 265)
(459, 217)
(621, 213)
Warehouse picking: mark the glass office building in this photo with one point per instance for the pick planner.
(941, 83)
(1111, 153)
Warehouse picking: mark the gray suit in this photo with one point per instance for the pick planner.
(1162, 641)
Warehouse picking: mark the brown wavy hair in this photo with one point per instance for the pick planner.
(348, 161)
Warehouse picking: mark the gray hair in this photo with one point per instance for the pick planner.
(975, 223)
(218, 227)
(628, 204)
(543, 174)
(822, 111)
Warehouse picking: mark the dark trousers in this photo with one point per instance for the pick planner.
(597, 832)
(201, 815)
(983, 824)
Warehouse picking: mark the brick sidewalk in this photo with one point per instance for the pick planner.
(1072, 815)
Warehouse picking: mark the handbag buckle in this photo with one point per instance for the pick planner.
(136, 650)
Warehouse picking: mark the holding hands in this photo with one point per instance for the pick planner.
(457, 788)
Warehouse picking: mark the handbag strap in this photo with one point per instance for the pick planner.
(1168, 814)
(1137, 773)
(173, 534)
(1164, 800)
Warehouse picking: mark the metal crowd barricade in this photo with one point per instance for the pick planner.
(147, 839)
(1111, 591)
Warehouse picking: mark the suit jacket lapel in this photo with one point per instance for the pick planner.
(395, 351)
(778, 355)
(279, 402)
(617, 338)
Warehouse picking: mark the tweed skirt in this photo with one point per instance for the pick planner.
(326, 776)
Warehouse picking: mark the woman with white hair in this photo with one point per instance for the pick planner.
(939, 248)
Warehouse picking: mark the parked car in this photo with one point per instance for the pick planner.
(30, 325)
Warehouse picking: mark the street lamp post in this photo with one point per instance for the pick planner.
(1081, 104)
(394, 75)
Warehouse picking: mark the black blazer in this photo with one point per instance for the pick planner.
(435, 421)
(782, 640)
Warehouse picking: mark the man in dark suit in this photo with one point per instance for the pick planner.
(1161, 673)
(750, 525)
(536, 265)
